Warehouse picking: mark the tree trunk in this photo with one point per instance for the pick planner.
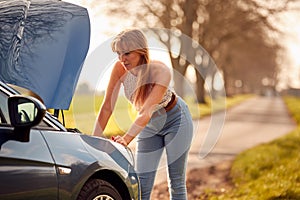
(178, 76)
(200, 90)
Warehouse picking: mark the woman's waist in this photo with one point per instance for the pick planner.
(164, 110)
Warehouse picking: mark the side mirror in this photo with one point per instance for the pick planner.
(25, 112)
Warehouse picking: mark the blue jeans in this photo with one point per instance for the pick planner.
(171, 131)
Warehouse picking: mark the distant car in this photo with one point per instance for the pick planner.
(41, 159)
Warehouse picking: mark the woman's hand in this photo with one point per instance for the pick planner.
(119, 139)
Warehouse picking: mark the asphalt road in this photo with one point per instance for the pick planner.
(224, 135)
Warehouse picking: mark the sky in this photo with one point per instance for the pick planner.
(291, 27)
(102, 32)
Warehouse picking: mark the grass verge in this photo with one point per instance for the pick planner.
(269, 171)
(84, 109)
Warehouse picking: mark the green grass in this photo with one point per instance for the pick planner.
(269, 171)
(293, 107)
(84, 109)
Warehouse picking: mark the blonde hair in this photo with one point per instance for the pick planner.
(134, 40)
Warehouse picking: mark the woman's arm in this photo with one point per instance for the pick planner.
(161, 77)
(110, 99)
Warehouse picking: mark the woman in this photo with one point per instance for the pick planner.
(163, 121)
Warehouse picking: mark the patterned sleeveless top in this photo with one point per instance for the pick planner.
(130, 86)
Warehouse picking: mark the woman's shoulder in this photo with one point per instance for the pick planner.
(158, 67)
(159, 71)
(118, 69)
(119, 66)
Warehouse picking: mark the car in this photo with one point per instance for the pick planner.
(41, 159)
(43, 45)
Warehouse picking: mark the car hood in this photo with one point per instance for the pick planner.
(43, 44)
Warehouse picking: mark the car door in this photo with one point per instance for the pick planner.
(27, 170)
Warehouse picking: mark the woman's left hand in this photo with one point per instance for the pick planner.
(119, 139)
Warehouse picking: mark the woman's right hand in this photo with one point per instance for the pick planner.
(120, 140)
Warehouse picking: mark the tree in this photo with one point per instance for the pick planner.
(212, 23)
(84, 88)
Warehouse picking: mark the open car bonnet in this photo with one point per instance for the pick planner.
(43, 44)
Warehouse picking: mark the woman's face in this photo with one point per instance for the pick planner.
(129, 59)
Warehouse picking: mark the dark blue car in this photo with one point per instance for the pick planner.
(41, 159)
(43, 44)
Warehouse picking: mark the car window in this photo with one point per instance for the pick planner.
(4, 116)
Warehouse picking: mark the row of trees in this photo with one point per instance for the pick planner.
(239, 36)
